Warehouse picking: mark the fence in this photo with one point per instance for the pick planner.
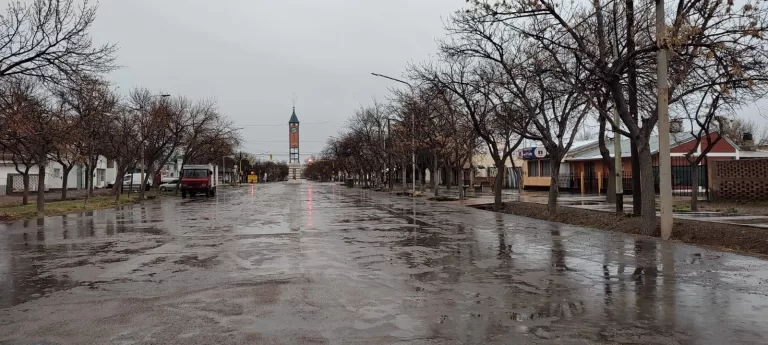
(682, 178)
(15, 183)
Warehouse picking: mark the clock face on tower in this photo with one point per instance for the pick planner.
(294, 130)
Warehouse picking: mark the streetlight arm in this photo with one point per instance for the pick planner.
(395, 79)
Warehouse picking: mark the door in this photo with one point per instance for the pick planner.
(590, 178)
(101, 177)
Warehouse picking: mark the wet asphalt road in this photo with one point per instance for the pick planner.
(321, 264)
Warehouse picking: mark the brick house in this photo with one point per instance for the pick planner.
(586, 159)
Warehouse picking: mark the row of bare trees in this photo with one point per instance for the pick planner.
(537, 70)
(76, 124)
(56, 106)
(380, 141)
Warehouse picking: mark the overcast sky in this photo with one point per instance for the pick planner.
(253, 55)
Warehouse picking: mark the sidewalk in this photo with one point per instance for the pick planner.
(597, 203)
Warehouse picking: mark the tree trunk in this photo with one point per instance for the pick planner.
(40, 189)
(607, 161)
(554, 188)
(695, 186)
(25, 192)
(90, 174)
(422, 179)
(405, 176)
(145, 183)
(648, 207)
(448, 177)
(637, 190)
(118, 188)
(434, 174)
(87, 177)
(497, 186)
(610, 189)
(65, 180)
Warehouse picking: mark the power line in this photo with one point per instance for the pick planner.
(303, 123)
(283, 141)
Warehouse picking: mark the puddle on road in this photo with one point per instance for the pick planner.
(38, 255)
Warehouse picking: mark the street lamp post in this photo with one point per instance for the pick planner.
(389, 157)
(413, 133)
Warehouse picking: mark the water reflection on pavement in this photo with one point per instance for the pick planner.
(317, 263)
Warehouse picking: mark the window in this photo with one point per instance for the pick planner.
(194, 173)
(56, 172)
(546, 168)
(533, 168)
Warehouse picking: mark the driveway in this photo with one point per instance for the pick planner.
(317, 263)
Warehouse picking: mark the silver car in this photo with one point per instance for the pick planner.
(169, 186)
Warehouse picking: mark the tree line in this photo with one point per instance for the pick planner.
(538, 70)
(56, 104)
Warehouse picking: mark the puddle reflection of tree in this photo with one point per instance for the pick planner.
(110, 225)
(40, 235)
(651, 304)
(85, 225)
(558, 250)
(644, 277)
(505, 250)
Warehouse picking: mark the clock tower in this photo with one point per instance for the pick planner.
(293, 138)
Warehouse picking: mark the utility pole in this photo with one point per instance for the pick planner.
(665, 183)
(618, 167)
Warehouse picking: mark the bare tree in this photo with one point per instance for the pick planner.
(49, 40)
(65, 149)
(125, 143)
(90, 101)
(537, 76)
(700, 30)
(208, 135)
(25, 108)
(491, 110)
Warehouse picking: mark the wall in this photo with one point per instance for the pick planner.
(54, 179)
(740, 179)
(55, 182)
(539, 180)
(721, 147)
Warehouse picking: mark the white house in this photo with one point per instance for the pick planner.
(105, 171)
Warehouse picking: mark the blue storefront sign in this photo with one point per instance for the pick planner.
(529, 153)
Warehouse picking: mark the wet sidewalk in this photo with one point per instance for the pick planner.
(598, 203)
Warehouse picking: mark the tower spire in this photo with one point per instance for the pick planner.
(294, 118)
